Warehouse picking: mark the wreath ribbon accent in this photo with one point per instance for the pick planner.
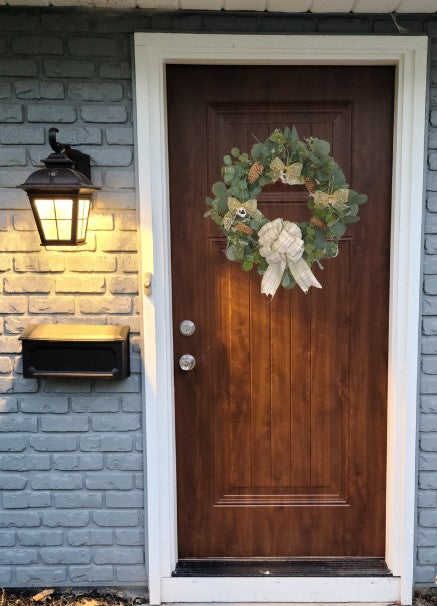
(281, 244)
(338, 200)
(235, 206)
(290, 174)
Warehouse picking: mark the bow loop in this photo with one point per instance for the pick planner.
(338, 200)
(290, 174)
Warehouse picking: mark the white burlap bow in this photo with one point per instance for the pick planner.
(281, 244)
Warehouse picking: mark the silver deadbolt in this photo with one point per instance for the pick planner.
(187, 328)
(187, 362)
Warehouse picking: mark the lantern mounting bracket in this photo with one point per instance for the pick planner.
(81, 161)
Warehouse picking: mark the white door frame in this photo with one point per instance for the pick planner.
(409, 55)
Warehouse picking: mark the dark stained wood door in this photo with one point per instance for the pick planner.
(281, 426)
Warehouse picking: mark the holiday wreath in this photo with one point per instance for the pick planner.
(283, 251)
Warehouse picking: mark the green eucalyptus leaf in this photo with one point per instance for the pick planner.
(319, 239)
(338, 229)
(331, 249)
(262, 266)
(353, 210)
(321, 147)
(254, 190)
(218, 189)
(235, 152)
(247, 264)
(222, 204)
(227, 160)
(286, 280)
(230, 253)
(257, 150)
(360, 199)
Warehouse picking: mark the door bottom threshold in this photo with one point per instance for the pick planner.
(282, 567)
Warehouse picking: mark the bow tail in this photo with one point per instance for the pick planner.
(272, 278)
(303, 275)
(228, 219)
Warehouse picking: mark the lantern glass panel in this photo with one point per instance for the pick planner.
(82, 218)
(56, 218)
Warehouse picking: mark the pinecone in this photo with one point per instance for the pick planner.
(244, 228)
(311, 184)
(318, 223)
(255, 172)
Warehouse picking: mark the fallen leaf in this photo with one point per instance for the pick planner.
(40, 597)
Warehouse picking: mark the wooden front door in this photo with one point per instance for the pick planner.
(281, 426)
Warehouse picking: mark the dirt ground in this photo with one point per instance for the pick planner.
(112, 597)
(70, 597)
(426, 597)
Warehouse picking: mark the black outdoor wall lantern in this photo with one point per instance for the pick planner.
(61, 195)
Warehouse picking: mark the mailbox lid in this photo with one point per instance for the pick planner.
(74, 332)
(75, 350)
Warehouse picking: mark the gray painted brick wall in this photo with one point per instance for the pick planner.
(71, 466)
(71, 481)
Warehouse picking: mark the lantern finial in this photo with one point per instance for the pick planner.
(56, 147)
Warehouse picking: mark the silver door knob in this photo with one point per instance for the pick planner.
(187, 362)
(187, 328)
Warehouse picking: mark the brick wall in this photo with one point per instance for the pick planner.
(71, 483)
(70, 470)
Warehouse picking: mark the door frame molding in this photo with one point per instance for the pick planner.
(410, 55)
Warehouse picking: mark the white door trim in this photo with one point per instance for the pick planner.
(409, 55)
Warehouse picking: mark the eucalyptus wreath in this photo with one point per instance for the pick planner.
(282, 251)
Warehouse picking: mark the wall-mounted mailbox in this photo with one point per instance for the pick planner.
(73, 350)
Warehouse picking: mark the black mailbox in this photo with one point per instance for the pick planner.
(73, 350)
